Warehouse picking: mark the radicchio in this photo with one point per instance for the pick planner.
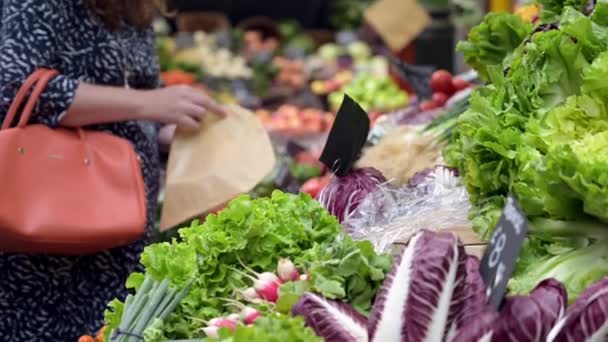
(474, 299)
(420, 296)
(332, 320)
(587, 318)
(522, 318)
(343, 195)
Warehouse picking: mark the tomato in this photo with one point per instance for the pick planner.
(440, 99)
(460, 84)
(315, 185)
(441, 82)
(427, 105)
(312, 187)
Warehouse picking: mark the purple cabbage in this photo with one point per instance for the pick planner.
(343, 195)
(420, 297)
(332, 320)
(587, 318)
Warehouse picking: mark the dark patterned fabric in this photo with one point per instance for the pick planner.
(49, 298)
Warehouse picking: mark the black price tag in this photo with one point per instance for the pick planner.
(503, 249)
(346, 138)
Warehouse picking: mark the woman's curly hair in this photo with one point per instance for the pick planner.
(137, 13)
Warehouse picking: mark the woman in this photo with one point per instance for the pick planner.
(101, 48)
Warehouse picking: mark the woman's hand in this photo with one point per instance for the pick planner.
(165, 136)
(183, 106)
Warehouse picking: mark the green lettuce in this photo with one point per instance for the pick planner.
(493, 40)
(575, 266)
(539, 131)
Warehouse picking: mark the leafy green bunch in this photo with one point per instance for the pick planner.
(539, 130)
(256, 234)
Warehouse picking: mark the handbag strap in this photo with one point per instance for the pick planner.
(37, 80)
(20, 97)
(44, 79)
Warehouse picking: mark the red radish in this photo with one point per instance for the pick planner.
(459, 84)
(304, 277)
(234, 317)
(427, 105)
(250, 295)
(267, 286)
(249, 315)
(287, 270)
(224, 322)
(440, 99)
(441, 82)
(211, 332)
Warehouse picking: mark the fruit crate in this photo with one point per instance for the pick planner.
(473, 245)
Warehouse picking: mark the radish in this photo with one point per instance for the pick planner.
(215, 324)
(332, 320)
(421, 295)
(224, 322)
(211, 332)
(304, 277)
(251, 296)
(234, 317)
(267, 286)
(249, 315)
(287, 270)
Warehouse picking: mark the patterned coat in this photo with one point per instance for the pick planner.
(50, 298)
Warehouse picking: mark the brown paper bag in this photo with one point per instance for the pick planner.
(227, 157)
(398, 22)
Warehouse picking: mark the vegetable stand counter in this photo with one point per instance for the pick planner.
(473, 244)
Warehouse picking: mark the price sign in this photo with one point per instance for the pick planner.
(503, 249)
(346, 137)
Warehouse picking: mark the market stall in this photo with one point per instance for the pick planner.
(474, 210)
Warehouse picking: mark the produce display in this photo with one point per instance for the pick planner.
(372, 93)
(293, 120)
(539, 130)
(376, 254)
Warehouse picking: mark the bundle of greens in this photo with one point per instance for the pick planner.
(539, 130)
(256, 234)
(147, 309)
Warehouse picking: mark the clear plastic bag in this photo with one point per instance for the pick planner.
(435, 200)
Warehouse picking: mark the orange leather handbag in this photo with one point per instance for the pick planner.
(65, 191)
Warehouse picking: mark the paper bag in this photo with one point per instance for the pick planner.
(227, 157)
(398, 22)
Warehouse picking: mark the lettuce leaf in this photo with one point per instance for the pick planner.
(551, 10)
(491, 42)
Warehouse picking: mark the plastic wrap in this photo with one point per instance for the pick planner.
(435, 200)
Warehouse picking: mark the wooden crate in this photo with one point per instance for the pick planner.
(473, 245)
